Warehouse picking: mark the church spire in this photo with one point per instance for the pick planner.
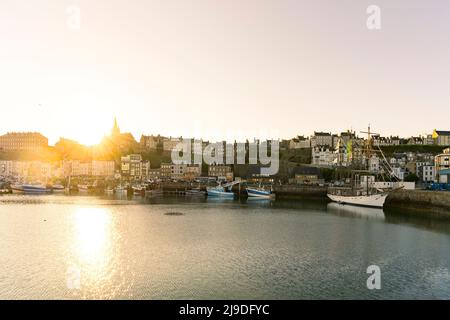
(115, 130)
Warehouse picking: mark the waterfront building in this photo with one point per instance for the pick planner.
(441, 138)
(23, 141)
(442, 166)
(30, 170)
(173, 171)
(192, 171)
(306, 175)
(154, 174)
(134, 167)
(103, 168)
(166, 170)
(221, 172)
(6, 168)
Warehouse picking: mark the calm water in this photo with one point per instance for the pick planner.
(57, 247)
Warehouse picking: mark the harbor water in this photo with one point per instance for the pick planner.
(71, 247)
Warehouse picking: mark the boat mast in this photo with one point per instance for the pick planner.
(368, 149)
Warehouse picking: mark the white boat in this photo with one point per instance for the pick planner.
(120, 190)
(260, 193)
(154, 193)
(195, 192)
(84, 188)
(57, 188)
(138, 190)
(371, 200)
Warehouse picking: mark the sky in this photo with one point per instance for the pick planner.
(232, 69)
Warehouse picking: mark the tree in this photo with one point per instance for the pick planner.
(412, 177)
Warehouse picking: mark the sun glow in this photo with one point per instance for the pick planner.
(92, 231)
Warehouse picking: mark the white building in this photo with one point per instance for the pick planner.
(426, 172)
(322, 156)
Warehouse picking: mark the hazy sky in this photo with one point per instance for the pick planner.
(223, 69)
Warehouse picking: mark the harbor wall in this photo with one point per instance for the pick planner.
(419, 202)
(299, 192)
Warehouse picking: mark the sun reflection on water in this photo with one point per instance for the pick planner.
(92, 246)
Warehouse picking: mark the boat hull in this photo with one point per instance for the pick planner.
(373, 201)
(255, 193)
(220, 194)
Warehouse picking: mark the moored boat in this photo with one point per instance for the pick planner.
(120, 190)
(84, 188)
(195, 192)
(371, 200)
(260, 193)
(57, 188)
(31, 189)
(219, 192)
(154, 193)
(138, 190)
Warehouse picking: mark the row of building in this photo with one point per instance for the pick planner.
(131, 167)
(327, 139)
(34, 141)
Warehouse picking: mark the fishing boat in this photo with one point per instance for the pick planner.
(109, 190)
(362, 192)
(57, 188)
(195, 192)
(120, 190)
(138, 190)
(220, 192)
(17, 188)
(154, 193)
(31, 189)
(85, 188)
(260, 193)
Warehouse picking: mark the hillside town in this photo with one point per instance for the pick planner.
(319, 159)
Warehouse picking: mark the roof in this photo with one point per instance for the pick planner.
(443, 133)
(322, 133)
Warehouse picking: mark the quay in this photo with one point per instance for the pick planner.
(292, 192)
(424, 203)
